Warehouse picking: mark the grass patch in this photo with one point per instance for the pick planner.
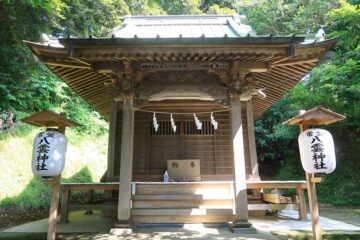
(86, 161)
(326, 235)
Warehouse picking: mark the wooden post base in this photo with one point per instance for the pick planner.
(242, 227)
(120, 231)
(122, 224)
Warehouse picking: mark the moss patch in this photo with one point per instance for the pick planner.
(326, 235)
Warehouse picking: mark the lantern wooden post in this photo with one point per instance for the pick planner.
(50, 119)
(315, 116)
(313, 204)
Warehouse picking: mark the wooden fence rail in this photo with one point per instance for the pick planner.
(66, 188)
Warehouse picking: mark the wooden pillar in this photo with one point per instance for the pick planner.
(89, 200)
(64, 216)
(252, 143)
(314, 208)
(127, 138)
(302, 203)
(112, 140)
(54, 202)
(241, 202)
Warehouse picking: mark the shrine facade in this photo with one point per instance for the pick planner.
(157, 77)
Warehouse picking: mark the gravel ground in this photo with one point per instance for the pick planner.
(12, 216)
(350, 215)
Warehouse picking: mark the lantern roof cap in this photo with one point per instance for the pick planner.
(47, 118)
(316, 116)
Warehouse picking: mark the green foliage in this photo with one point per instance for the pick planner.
(26, 86)
(36, 194)
(288, 17)
(274, 140)
(181, 7)
(216, 9)
(222, 4)
(343, 23)
(83, 18)
(85, 162)
(333, 84)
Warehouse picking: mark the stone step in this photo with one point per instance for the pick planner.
(185, 188)
(182, 212)
(179, 197)
(181, 219)
(215, 203)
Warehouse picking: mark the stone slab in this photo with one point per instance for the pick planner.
(120, 231)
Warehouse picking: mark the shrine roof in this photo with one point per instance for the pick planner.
(187, 26)
(47, 118)
(316, 116)
(208, 43)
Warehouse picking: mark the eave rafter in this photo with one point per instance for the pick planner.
(88, 68)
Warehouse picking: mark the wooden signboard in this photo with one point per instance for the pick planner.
(184, 170)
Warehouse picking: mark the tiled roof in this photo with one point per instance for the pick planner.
(208, 26)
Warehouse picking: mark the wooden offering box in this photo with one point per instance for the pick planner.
(184, 170)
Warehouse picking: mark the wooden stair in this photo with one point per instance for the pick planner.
(204, 202)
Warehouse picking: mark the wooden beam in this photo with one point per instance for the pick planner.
(70, 73)
(295, 71)
(62, 70)
(276, 184)
(295, 62)
(80, 78)
(108, 67)
(64, 64)
(289, 72)
(253, 66)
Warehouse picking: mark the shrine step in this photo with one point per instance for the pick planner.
(179, 197)
(181, 211)
(221, 188)
(185, 215)
(181, 219)
(195, 202)
(214, 203)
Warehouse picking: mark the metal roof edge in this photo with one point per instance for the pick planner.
(183, 16)
(143, 41)
(331, 41)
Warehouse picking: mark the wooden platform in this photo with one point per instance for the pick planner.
(184, 202)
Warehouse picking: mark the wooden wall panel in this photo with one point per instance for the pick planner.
(151, 151)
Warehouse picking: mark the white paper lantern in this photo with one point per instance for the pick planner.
(48, 158)
(317, 151)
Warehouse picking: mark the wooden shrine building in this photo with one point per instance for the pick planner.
(181, 65)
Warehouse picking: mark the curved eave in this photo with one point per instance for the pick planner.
(74, 64)
(81, 42)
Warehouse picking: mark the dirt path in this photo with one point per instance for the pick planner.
(12, 216)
